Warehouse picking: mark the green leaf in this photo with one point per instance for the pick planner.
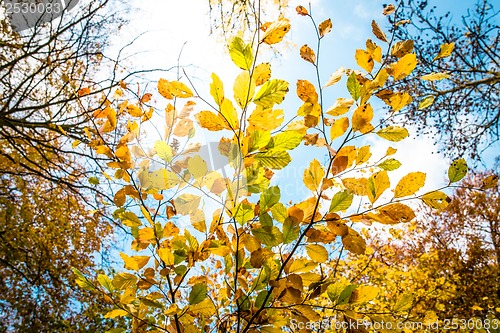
(94, 180)
(198, 293)
(164, 151)
(390, 164)
(269, 198)
(270, 236)
(291, 230)
(426, 102)
(354, 87)
(341, 201)
(404, 303)
(82, 281)
(272, 92)
(105, 282)
(258, 139)
(286, 140)
(458, 170)
(244, 212)
(273, 159)
(393, 133)
(241, 54)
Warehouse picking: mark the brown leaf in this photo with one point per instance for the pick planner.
(301, 10)
(308, 54)
(389, 9)
(378, 32)
(325, 27)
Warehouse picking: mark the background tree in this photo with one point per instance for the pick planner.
(460, 108)
(444, 263)
(49, 220)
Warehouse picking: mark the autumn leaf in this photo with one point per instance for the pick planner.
(261, 73)
(435, 76)
(378, 32)
(409, 184)
(426, 102)
(389, 9)
(276, 31)
(353, 242)
(445, 50)
(244, 89)
(393, 133)
(171, 89)
(339, 127)
(272, 92)
(306, 91)
(325, 27)
(217, 89)
(134, 262)
(361, 119)
(301, 10)
(211, 121)
(313, 175)
(341, 106)
(307, 54)
(377, 184)
(403, 67)
(335, 77)
(402, 48)
(353, 86)
(364, 60)
(317, 253)
(436, 199)
(390, 164)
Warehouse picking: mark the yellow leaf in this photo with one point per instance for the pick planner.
(317, 252)
(241, 54)
(229, 115)
(393, 133)
(306, 91)
(217, 89)
(390, 151)
(353, 242)
(166, 255)
(307, 54)
(339, 127)
(313, 175)
(302, 266)
(377, 184)
(335, 77)
(445, 50)
(436, 199)
(355, 185)
(171, 89)
(361, 119)
(164, 151)
(341, 106)
(364, 60)
(435, 76)
(399, 100)
(402, 48)
(403, 67)
(265, 119)
(489, 182)
(276, 31)
(363, 294)
(378, 32)
(363, 155)
(116, 313)
(211, 121)
(134, 110)
(244, 89)
(261, 74)
(426, 102)
(389, 9)
(325, 27)
(197, 167)
(409, 184)
(134, 262)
